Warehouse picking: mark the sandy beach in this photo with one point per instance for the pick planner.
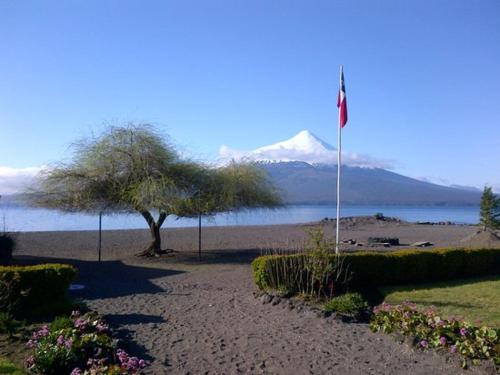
(201, 317)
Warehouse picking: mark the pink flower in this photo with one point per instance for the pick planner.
(463, 331)
(453, 349)
(68, 343)
(30, 361)
(43, 332)
(76, 371)
(443, 340)
(424, 344)
(122, 356)
(31, 343)
(100, 327)
(60, 340)
(81, 324)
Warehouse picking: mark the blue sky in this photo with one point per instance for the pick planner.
(422, 78)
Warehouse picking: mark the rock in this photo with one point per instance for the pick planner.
(392, 241)
(275, 301)
(384, 244)
(349, 241)
(266, 298)
(422, 244)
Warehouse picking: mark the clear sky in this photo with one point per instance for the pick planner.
(422, 77)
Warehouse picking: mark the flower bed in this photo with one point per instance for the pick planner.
(81, 344)
(429, 330)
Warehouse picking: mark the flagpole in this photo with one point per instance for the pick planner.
(339, 153)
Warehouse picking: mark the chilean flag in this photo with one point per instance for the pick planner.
(342, 101)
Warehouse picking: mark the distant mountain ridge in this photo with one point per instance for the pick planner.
(304, 183)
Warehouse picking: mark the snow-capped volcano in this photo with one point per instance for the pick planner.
(305, 147)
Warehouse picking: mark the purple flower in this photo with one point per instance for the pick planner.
(101, 327)
(30, 361)
(43, 332)
(68, 343)
(122, 356)
(76, 371)
(133, 363)
(60, 340)
(142, 363)
(424, 344)
(463, 331)
(453, 349)
(81, 324)
(443, 340)
(31, 343)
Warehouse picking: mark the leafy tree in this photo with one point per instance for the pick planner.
(132, 168)
(490, 209)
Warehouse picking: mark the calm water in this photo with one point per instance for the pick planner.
(20, 219)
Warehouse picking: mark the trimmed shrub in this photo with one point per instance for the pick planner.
(347, 304)
(7, 246)
(31, 291)
(375, 269)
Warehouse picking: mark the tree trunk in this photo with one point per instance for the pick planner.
(154, 249)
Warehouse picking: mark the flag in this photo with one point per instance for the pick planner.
(342, 102)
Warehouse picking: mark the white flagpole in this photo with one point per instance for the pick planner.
(339, 152)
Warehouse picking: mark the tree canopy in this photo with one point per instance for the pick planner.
(132, 168)
(490, 209)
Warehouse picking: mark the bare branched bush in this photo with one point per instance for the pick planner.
(312, 268)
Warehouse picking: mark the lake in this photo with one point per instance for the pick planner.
(22, 219)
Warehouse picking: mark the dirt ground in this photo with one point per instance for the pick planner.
(201, 317)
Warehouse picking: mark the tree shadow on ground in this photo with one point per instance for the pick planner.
(127, 336)
(231, 256)
(120, 319)
(127, 342)
(110, 279)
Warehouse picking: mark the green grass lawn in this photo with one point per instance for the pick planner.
(7, 367)
(471, 299)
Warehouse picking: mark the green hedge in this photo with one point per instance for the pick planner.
(32, 291)
(380, 268)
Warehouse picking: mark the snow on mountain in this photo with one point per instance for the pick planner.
(305, 147)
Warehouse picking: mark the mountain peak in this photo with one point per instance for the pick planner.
(303, 142)
(304, 147)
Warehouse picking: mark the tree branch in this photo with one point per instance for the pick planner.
(161, 218)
